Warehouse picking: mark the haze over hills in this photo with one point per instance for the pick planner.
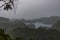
(44, 20)
(10, 24)
(18, 28)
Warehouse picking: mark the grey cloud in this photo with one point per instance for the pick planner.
(39, 8)
(36, 9)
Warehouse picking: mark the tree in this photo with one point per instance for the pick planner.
(4, 36)
(7, 4)
(56, 25)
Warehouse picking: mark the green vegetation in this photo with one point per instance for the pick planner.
(31, 34)
(36, 34)
(4, 36)
(56, 25)
(19, 31)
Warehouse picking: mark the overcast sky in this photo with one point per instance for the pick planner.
(34, 9)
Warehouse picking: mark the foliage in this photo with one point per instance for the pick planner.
(4, 36)
(56, 25)
(8, 5)
(36, 34)
(31, 34)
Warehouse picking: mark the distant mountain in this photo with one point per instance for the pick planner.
(4, 20)
(45, 20)
(9, 25)
(50, 20)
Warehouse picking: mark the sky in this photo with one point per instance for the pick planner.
(30, 9)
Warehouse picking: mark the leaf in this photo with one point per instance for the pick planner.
(7, 7)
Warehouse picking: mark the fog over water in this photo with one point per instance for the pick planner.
(37, 25)
(33, 9)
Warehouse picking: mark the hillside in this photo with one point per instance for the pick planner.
(56, 25)
(46, 20)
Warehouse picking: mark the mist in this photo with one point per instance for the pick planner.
(30, 9)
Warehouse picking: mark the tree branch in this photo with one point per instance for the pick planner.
(2, 6)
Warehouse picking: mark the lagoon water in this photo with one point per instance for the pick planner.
(39, 24)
